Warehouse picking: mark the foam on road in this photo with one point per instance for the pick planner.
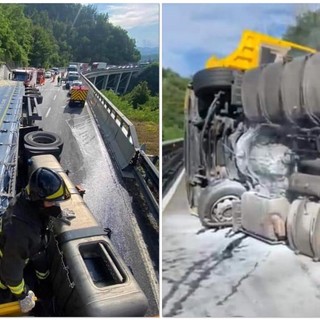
(221, 274)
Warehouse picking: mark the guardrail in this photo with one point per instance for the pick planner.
(172, 162)
(121, 136)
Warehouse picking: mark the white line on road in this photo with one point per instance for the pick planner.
(166, 199)
(48, 112)
(54, 98)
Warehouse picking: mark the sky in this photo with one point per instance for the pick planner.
(203, 30)
(140, 20)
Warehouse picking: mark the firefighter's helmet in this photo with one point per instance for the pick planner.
(47, 185)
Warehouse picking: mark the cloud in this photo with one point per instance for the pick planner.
(145, 36)
(193, 32)
(130, 15)
(140, 20)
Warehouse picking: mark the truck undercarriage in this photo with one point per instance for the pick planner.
(252, 151)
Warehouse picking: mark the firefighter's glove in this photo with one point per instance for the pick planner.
(28, 302)
(66, 216)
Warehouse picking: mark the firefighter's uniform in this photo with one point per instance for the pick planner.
(22, 238)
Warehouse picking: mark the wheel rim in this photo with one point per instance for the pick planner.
(221, 210)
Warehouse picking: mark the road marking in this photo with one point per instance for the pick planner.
(48, 112)
(54, 98)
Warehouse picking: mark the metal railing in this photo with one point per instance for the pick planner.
(172, 162)
(121, 136)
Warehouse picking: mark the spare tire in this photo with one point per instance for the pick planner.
(31, 151)
(43, 140)
(207, 80)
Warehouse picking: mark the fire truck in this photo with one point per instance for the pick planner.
(78, 94)
(41, 76)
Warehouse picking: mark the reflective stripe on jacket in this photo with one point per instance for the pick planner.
(22, 237)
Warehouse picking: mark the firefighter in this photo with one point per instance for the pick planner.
(24, 233)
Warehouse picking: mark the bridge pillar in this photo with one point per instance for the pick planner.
(94, 80)
(127, 84)
(105, 82)
(118, 83)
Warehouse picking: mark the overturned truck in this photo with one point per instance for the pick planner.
(88, 276)
(252, 144)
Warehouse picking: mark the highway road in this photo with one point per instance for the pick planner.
(90, 164)
(207, 273)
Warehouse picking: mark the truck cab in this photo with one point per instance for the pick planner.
(73, 68)
(98, 65)
(22, 75)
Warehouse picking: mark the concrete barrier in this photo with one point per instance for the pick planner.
(117, 130)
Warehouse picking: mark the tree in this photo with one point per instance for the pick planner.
(15, 37)
(54, 34)
(306, 30)
(139, 95)
(87, 35)
(43, 48)
(174, 90)
(151, 75)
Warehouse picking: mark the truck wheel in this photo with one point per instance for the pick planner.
(215, 203)
(269, 92)
(249, 95)
(291, 90)
(207, 80)
(43, 139)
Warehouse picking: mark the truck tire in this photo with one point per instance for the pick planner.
(249, 95)
(43, 140)
(207, 80)
(310, 89)
(31, 151)
(269, 93)
(291, 91)
(214, 203)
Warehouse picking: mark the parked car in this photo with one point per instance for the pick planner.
(47, 74)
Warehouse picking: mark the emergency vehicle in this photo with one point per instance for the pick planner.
(41, 76)
(78, 95)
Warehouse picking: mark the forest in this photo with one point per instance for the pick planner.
(173, 92)
(46, 35)
(305, 31)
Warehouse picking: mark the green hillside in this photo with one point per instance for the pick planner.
(49, 35)
(173, 93)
